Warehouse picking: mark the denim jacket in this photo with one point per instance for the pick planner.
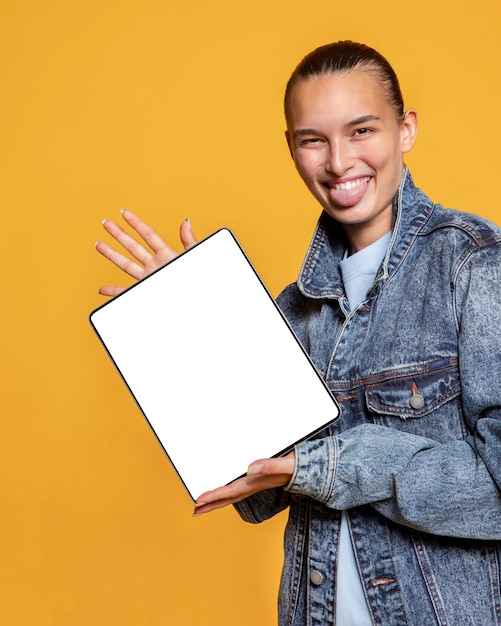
(415, 457)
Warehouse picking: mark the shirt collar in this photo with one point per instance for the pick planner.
(320, 276)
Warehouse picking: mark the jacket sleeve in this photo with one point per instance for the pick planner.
(452, 488)
(263, 505)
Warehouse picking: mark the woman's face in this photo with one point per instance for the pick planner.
(347, 144)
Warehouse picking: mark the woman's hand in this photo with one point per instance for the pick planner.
(262, 475)
(147, 259)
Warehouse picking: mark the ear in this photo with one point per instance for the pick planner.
(289, 143)
(408, 130)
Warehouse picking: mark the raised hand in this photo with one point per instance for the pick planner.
(149, 256)
(262, 475)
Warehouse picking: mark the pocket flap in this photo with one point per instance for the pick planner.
(414, 391)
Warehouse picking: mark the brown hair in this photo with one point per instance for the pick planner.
(344, 56)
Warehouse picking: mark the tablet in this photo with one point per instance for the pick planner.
(213, 365)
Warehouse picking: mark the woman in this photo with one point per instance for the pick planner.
(395, 512)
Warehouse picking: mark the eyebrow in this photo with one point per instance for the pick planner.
(363, 119)
(303, 132)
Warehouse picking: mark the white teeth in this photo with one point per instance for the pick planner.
(350, 184)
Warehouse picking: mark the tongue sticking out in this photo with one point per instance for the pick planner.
(350, 193)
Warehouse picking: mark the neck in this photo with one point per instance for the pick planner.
(362, 235)
(360, 238)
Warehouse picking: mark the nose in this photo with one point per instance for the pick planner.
(339, 158)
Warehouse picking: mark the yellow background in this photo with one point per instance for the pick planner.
(172, 109)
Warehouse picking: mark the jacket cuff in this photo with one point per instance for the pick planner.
(315, 470)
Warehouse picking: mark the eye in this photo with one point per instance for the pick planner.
(310, 141)
(361, 132)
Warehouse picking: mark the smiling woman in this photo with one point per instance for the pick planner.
(351, 161)
(390, 304)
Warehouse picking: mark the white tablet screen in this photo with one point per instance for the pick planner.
(213, 365)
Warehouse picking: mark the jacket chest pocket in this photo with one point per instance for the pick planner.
(415, 391)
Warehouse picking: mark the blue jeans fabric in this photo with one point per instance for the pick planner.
(416, 456)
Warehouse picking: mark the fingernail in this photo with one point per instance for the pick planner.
(197, 504)
(96, 242)
(105, 220)
(254, 469)
(187, 220)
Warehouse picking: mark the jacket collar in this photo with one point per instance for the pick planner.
(320, 276)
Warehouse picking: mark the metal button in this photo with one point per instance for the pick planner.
(417, 401)
(316, 578)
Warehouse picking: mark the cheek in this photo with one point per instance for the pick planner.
(386, 160)
(389, 154)
(307, 165)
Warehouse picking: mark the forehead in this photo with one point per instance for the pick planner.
(337, 98)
